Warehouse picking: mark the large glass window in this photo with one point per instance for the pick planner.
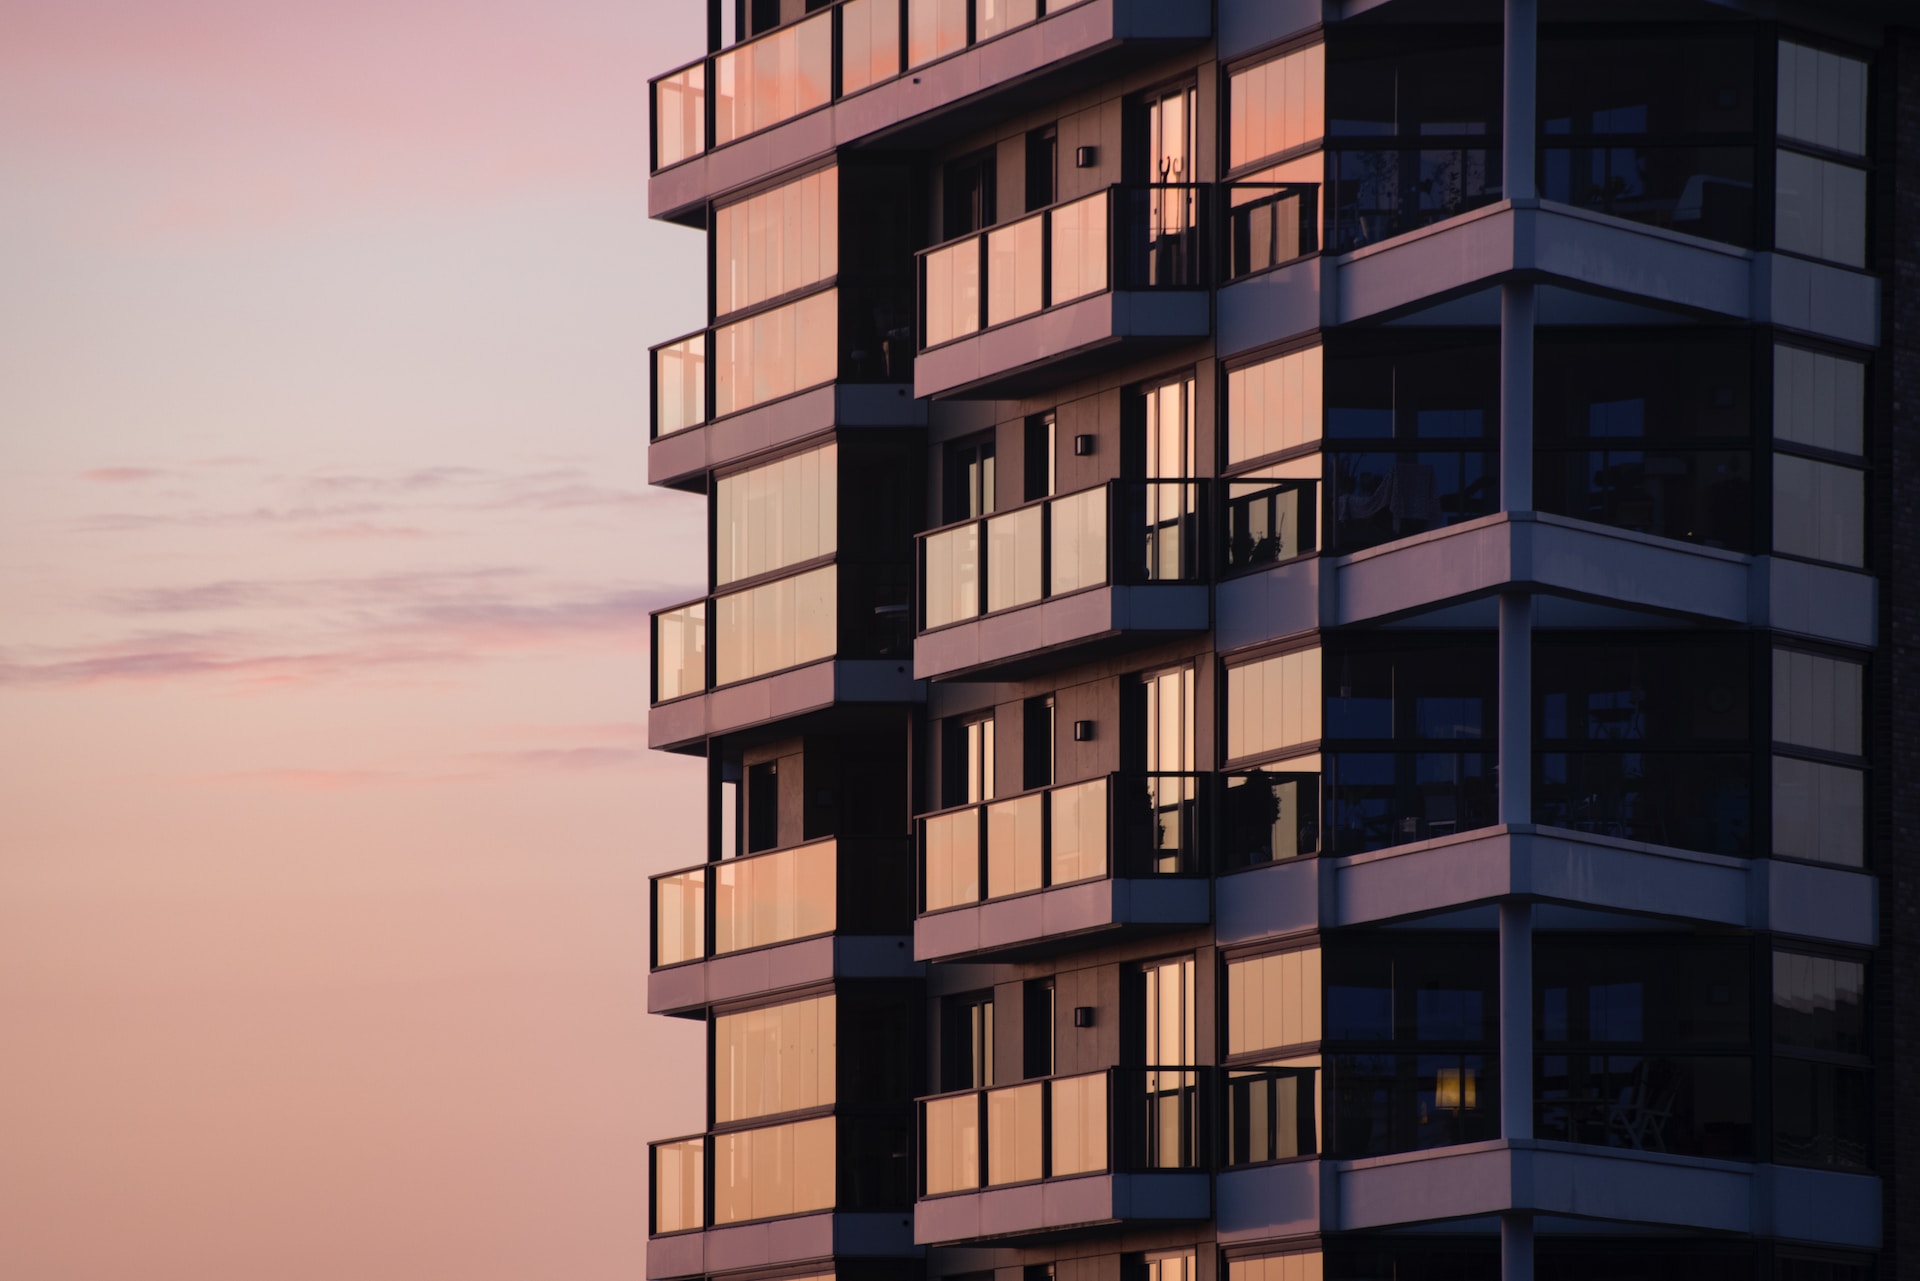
(774, 626)
(1645, 1043)
(1822, 1075)
(1819, 780)
(1648, 431)
(1823, 99)
(1819, 481)
(784, 1169)
(1411, 430)
(784, 513)
(1273, 1001)
(778, 1059)
(776, 242)
(1819, 400)
(1645, 737)
(1273, 405)
(1276, 105)
(1820, 208)
(1273, 704)
(1819, 510)
(1820, 203)
(772, 898)
(775, 353)
(774, 78)
(1816, 701)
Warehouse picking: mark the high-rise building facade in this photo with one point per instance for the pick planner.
(1307, 668)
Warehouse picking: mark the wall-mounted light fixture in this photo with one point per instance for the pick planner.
(1083, 731)
(1083, 446)
(1083, 1016)
(1086, 157)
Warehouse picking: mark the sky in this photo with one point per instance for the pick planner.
(325, 559)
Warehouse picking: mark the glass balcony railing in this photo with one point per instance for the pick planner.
(1132, 1119)
(833, 611)
(1122, 532)
(789, 71)
(1383, 192)
(1141, 237)
(1386, 1103)
(779, 896)
(1127, 825)
(1268, 1114)
(1689, 800)
(1375, 800)
(803, 1166)
(1267, 224)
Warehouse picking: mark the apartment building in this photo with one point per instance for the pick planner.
(1308, 663)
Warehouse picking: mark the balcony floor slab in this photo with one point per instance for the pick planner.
(1018, 641)
(683, 459)
(1062, 1206)
(1058, 344)
(685, 724)
(802, 1238)
(1061, 917)
(695, 986)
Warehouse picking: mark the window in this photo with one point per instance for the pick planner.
(1036, 746)
(1276, 105)
(779, 1059)
(1823, 99)
(775, 353)
(763, 806)
(869, 43)
(784, 1169)
(1043, 167)
(970, 765)
(1171, 1265)
(1039, 464)
(1819, 510)
(1273, 405)
(1273, 704)
(970, 479)
(1166, 1013)
(935, 28)
(1819, 401)
(782, 514)
(1816, 701)
(1305, 1265)
(1819, 805)
(1822, 1075)
(776, 242)
(1820, 203)
(1037, 1031)
(775, 626)
(1273, 1001)
(968, 1042)
(968, 189)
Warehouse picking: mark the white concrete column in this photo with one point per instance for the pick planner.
(1518, 123)
(1516, 708)
(1516, 397)
(1516, 1247)
(1516, 1019)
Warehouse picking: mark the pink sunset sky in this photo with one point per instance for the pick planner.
(325, 557)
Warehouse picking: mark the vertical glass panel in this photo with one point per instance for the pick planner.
(776, 242)
(952, 288)
(1079, 529)
(1014, 270)
(679, 116)
(991, 17)
(1273, 1001)
(1820, 208)
(1823, 1113)
(775, 897)
(953, 859)
(1014, 560)
(1268, 521)
(772, 79)
(1276, 105)
(1823, 99)
(1819, 400)
(777, 515)
(679, 1185)
(1014, 1136)
(952, 575)
(1014, 854)
(1079, 248)
(1273, 703)
(869, 43)
(952, 1144)
(1305, 1266)
(775, 353)
(1382, 194)
(785, 1169)
(1819, 812)
(1274, 405)
(1079, 1141)
(775, 626)
(1816, 701)
(778, 1059)
(935, 28)
(1819, 1003)
(679, 385)
(1079, 832)
(680, 651)
(680, 917)
(1819, 510)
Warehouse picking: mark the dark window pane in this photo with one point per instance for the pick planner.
(1657, 85)
(1819, 1003)
(1642, 991)
(1694, 1106)
(1635, 688)
(1822, 1113)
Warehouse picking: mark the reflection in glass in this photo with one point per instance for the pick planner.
(1694, 1106)
(1819, 812)
(1382, 194)
(952, 289)
(1014, 1136)
(1380, 497)
(1823, 1113)
(1079, 534)
(1014, 853)
(776, 242)
(781, 1058)
(679, 1186)
(1382, 799)
(952, 1144)
(679, 385)
(1819, 510)
(777, 515)
(935, 28)
(1303, 1265)
(1702, 191)
(775, 353)
(785, 1169)
(1271, 1115)
(952, 861)
(774, 78)
(1014, 270)
(1079, 1141)
(1014, 558)
(1823, 99)
(774, 626)
(1078, 836)
(1273, 405)
(1386, 1103)
(680, 651)
(869, 43)
(1273, 1001)
(772, 898)
(952, 575)
(1269, 814)
(991, 17)
(1819, 400)
(680, 917)
(1268, 521)
(1817, 701)
(1819, 1003)
(1079, 248)
(679, 116)
(1276, 105)
(1273, 703)
(1695, 801)
(1820, 208)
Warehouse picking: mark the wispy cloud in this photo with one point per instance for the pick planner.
(120, 475)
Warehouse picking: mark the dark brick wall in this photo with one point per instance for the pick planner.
(1897, 711)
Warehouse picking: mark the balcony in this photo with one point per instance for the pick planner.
(774, 101)
(782, 919)
(1039, 300)
(1120, 855)
(789, 647)
(1121, 564)
(1064, 1154)
(775, 375)
(800, 1191)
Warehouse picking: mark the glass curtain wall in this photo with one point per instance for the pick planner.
(1819, 772)
(1822, 1072)
(1820, 174)
(1819, 461)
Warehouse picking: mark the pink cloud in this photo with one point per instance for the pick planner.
(120, 475)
